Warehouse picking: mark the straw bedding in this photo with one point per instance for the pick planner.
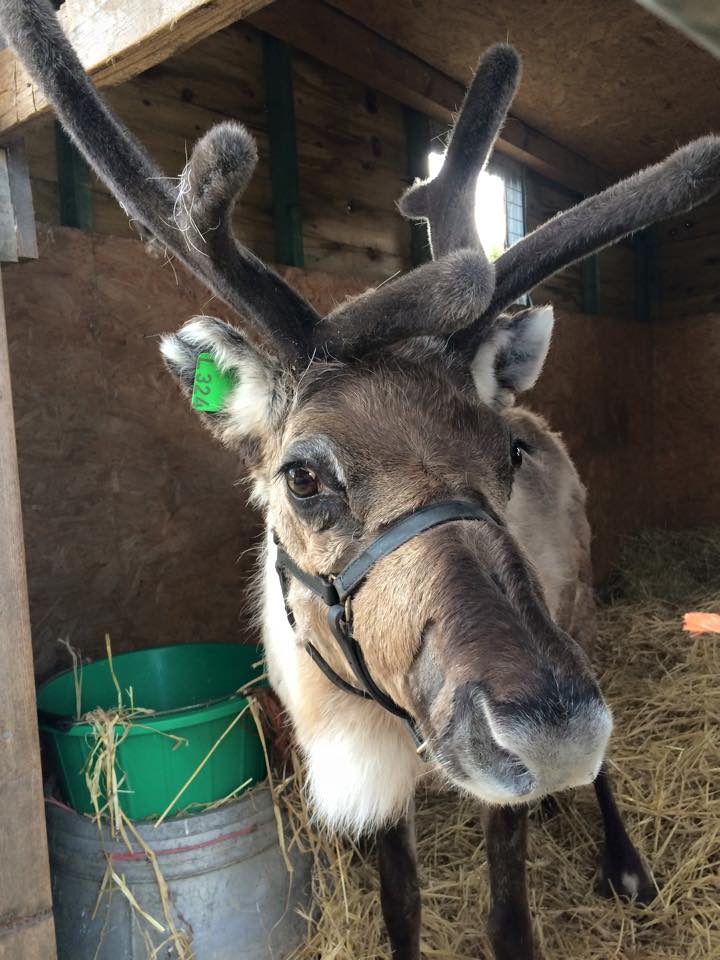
(665, 758)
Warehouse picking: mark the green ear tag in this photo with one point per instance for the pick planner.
(211, 385)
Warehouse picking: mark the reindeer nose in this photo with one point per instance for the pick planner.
(517, 751)
(560, 737)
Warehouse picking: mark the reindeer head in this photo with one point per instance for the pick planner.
(395, 401)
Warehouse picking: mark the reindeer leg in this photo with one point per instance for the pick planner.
(399, 889)
(509, 924)
(621, 867)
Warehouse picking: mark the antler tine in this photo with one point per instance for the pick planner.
(688, 177)
(219, 169)
(447, 201)
(272, 311)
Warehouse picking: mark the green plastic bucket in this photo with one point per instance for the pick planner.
(192, 691)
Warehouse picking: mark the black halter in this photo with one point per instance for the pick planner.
(337, 592)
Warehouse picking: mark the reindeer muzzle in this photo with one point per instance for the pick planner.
(337, 591)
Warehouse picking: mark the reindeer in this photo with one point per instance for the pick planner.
(426, 586)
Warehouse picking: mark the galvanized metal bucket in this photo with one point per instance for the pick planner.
(228, 885)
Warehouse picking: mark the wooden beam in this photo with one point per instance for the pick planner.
(284, 172)
(697, 19)
(116, 41)
(26, 922)
(347, 45)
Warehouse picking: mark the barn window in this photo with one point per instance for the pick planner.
(499, 203)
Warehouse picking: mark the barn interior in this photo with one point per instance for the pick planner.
(135, 524)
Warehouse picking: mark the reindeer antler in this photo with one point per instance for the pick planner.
(442, 297)
(193, 221)
(447, 201)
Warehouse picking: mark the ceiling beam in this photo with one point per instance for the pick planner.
(116, 41)
(698, 19)
(333, 38)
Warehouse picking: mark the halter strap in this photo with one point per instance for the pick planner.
(337, 592)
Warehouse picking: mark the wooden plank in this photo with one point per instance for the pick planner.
(74, 183)
(116, 41)
(698, 19)
(21, 193)
(339, 41)
(280, 105)
(8, 240)
(25, 901)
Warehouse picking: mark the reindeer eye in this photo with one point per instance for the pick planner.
(516, 454)
(302, 482)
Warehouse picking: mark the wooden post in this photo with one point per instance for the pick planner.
(591, 284)
(647, 275)
(26, 921)
(284, 174)
(417, 141)
(73, 178)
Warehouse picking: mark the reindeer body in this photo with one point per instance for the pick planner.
(358, 427)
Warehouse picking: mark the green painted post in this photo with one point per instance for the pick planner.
(284, 173)
(647, 275)
(417, 138)
(75, 198)
(591, 284)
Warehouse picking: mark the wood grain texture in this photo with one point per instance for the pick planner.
(609, 81)
(116, 40)
(689, 263)
(25, 899)
(686, 362)
(596, 390)
(350, 152)
(345, 44)
(134, 521)
(699, 19)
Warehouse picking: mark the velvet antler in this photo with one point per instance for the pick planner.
(439, 298)
(192, 220)
(447, 201)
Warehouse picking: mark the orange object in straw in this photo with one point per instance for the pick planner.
(701, 622)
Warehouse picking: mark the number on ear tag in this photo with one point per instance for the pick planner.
(211, 385)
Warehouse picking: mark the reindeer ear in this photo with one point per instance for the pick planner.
(510, 359)
(248, 391)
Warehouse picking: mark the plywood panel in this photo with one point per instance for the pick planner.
(596, 390)
(690, 263)
(686, 357)
(133, 520)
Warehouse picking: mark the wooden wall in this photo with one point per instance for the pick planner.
(690, 263)
(351, 151)
(134, 522)
(352, 158)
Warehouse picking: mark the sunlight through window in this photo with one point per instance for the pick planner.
(490, 207)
